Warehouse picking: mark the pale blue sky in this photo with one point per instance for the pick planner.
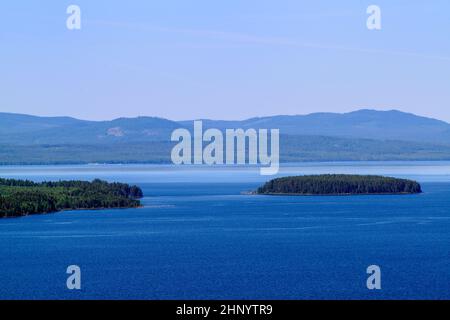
(230, 59)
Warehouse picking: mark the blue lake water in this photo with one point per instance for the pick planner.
(197, 237)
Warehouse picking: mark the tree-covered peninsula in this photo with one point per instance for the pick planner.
(339, 184)
(22, 197)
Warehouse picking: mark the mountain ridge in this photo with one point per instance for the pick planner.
(358, 111)
(24, 129)
(359, 135)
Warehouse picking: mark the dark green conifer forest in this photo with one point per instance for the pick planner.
(335, 184)
(23, 197)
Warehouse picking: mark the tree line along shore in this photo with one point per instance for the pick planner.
(22, 197)
(335, 184)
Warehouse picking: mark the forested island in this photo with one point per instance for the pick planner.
(22, 197)
(339, 184)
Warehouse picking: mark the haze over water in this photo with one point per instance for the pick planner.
(198, 237)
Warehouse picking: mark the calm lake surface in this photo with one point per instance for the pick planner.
(197, 237)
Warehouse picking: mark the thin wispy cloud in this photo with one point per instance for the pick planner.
(249, 39)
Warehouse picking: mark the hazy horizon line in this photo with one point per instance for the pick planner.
(227, 120)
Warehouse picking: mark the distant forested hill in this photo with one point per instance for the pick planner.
(16, 129)
(366, 124)
(292, 149)
(359, 135)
